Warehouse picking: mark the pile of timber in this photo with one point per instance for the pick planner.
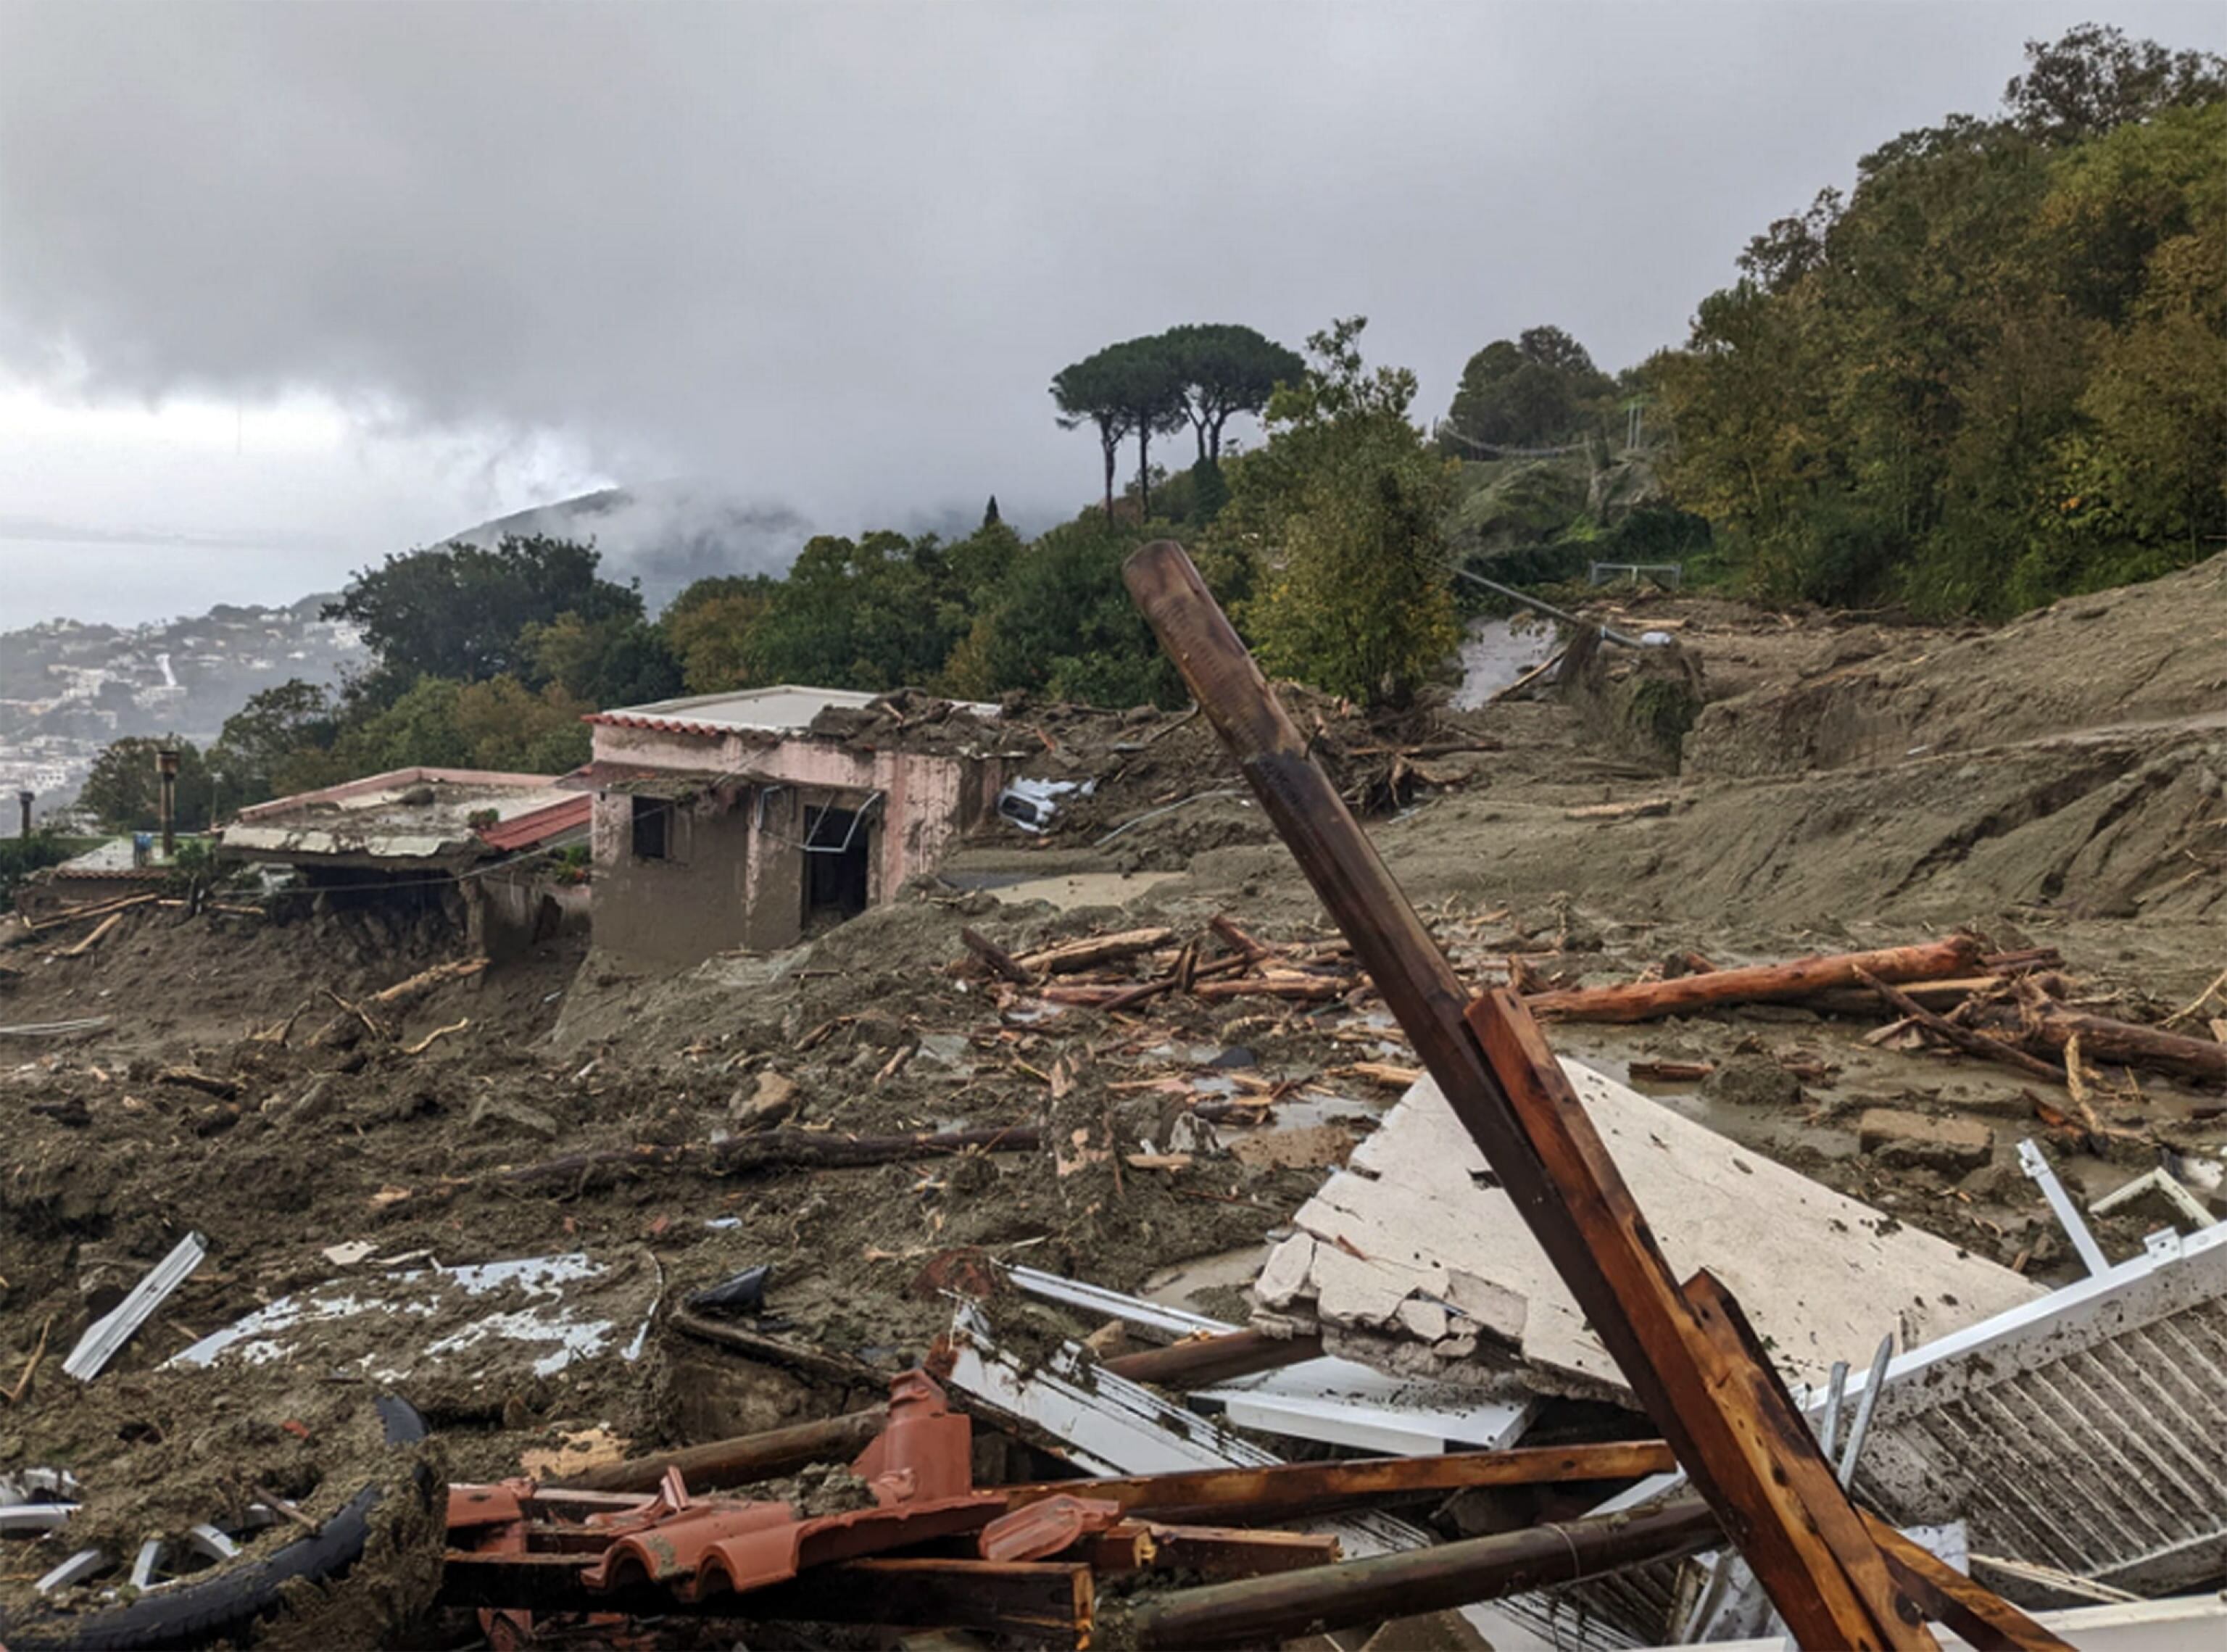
(1112, 972)
(2014, 1008)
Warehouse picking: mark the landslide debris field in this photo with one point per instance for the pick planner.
(2058, 788)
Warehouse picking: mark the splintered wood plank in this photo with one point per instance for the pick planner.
(1760, 1473)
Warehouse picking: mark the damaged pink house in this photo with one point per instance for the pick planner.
(748, 820)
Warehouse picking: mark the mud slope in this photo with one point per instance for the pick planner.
(2143, 654)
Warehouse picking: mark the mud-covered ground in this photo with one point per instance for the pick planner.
(2056, 784)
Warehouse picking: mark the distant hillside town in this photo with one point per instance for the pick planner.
(67, 689)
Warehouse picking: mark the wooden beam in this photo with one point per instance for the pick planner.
(1759, 984)
(1288, 1488)
(1744, 1440)
(1203, 1362)
(1263, 1611)
(743, 1460)
(1772, 1491)
(1234, 1551)
(1975, 1611)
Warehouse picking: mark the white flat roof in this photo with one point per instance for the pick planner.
(786, 708)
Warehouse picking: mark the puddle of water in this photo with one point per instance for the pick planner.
(1178, 1286)
(1497, 652)
(1074, 890)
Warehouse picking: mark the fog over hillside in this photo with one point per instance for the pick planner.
(669, 534)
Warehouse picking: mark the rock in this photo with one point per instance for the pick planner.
(1912, 1141)
(774, 1100)
(496, 1109)
(880, 1029)
(321, 1099)
(1752, 1082)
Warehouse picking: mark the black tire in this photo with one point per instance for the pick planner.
(193, 1614)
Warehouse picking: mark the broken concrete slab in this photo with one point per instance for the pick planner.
(1418, 1216)
(1905, 1140)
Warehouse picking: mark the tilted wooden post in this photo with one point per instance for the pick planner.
(1687, 1353)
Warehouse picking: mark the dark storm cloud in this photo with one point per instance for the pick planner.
(831, 255)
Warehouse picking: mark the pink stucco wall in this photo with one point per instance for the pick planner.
(927, 802)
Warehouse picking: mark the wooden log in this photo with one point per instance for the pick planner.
(100, 932)
(1757, 984)
(1964, 1038)
(1302, 989)
(1284, 1490)
(1071, 955)
(744, 1460)
(91, 909)
(1201, 1361)
(1526, 680)
(1749, 1453)
(193, 1079)
(1944, 994)
(1262, 1611)
(1645, 1072)
(770, 1149)
(2130, 1044)
(1001, 961)
(425, 979)
(1225, 926)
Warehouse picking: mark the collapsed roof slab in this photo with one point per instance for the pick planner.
(1415, 1245)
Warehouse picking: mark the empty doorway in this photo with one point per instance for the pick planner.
(837, 877)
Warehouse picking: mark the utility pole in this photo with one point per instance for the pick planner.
(23, 802)
(166, 766)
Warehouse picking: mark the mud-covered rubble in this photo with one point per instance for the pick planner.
(259, 1079)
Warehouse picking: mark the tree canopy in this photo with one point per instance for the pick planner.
(465, 610)
(1996, 372)
(1199, 375)
(1536, 390)
(1343, 512)
(124, 790)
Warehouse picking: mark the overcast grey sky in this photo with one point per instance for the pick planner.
(333, 278)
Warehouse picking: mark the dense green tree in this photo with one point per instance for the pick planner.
(1225, 370)
(497, 722)
(621, 661)
(463, 610)
(873, 614)
(1199, 375)
(1992, 373)
(124, 790)
(259, 753)
(709, 627)
(2094, 78)
(1090, 392)
(1341, 512)
(20, 856)
(1536, 390)
(1063, 624)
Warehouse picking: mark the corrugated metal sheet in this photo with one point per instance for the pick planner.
(2087, 1432)
(2092, 1438)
